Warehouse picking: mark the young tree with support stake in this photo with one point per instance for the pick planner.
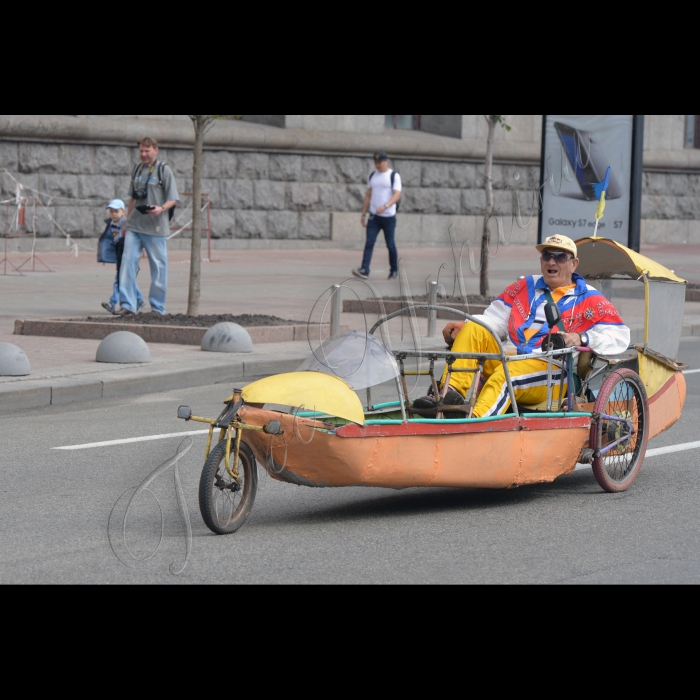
(493, 120)
(202, 123)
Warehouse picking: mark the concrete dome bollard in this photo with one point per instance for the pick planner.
(13, 361)
(227, 337)
(123, 348)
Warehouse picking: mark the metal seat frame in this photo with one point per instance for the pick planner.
(451, 357)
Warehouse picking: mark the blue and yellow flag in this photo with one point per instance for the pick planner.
(600, 189)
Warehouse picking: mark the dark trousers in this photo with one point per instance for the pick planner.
(119, 246)
(374, 226)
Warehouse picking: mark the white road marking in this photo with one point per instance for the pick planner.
(673, 448)
(130, 441)
(691, 371)
(656, 452)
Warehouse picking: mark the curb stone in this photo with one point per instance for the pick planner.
(60, 391)
(176, 335)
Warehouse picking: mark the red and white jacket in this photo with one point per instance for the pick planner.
(583, 309)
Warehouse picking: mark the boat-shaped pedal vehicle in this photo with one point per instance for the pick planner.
(310, 427)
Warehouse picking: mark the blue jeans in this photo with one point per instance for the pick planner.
(374, 226)
(116, 296)
(156, 248)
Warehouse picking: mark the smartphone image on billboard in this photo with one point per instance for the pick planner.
(588, 160)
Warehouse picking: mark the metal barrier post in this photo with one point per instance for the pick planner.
(432, 314)
(335, 310)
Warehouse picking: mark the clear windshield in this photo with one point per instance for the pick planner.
(666, 307)
(359, 359)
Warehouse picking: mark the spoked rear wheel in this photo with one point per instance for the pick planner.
(225, 503)
(622, 396)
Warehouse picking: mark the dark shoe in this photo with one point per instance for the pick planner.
(124, 312)
(141, 307)
(394, 276)
(427, 401)
(361, 273)
(108, 307)
(452, 398)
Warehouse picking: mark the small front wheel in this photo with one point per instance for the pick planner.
(225, 503)
(624, 398)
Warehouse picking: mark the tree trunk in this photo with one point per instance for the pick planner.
(485, 235)
(196, 257)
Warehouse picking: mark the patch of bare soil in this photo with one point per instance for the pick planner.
(151, 319)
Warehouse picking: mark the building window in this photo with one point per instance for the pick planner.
(277, 120)
(402, 121)
(692, 131)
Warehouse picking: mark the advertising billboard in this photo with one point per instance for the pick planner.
(577, 150)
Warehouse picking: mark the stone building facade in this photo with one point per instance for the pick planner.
(283, 181)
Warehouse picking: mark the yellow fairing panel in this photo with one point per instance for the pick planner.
(312, 391)
(654, 374)
(603, 258)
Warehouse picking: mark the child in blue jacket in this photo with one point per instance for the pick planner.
(111, 250)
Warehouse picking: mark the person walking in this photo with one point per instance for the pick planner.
(381, 201)
(111, 250)
(153, 195)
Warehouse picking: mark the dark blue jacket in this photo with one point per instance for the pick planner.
(107, 248)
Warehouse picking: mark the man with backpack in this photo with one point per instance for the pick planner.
(382, 201)
(153, 195)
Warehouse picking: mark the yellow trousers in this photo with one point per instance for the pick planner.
(529, 377)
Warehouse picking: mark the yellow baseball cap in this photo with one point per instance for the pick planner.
(561, 243)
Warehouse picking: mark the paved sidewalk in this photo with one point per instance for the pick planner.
(282, 283)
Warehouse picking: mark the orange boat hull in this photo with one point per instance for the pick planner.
(501, 454)
(666, 405)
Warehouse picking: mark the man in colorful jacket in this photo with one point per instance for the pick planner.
(517, 317)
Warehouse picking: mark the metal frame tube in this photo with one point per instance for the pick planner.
(432, 314)
(617, 419)
(444, 354)
(403, 400)
(646, 310)
(501, 357)
(433, 381)
(570, 386)
(607, 448)
(335, 310)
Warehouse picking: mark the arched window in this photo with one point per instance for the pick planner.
(402, 121)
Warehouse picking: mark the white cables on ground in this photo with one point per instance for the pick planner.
(22, 201)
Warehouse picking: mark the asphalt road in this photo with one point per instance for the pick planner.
(56, 506)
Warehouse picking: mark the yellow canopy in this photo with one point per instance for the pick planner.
(312, 391)
(603, 258)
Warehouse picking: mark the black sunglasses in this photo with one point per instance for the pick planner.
(557, 257)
